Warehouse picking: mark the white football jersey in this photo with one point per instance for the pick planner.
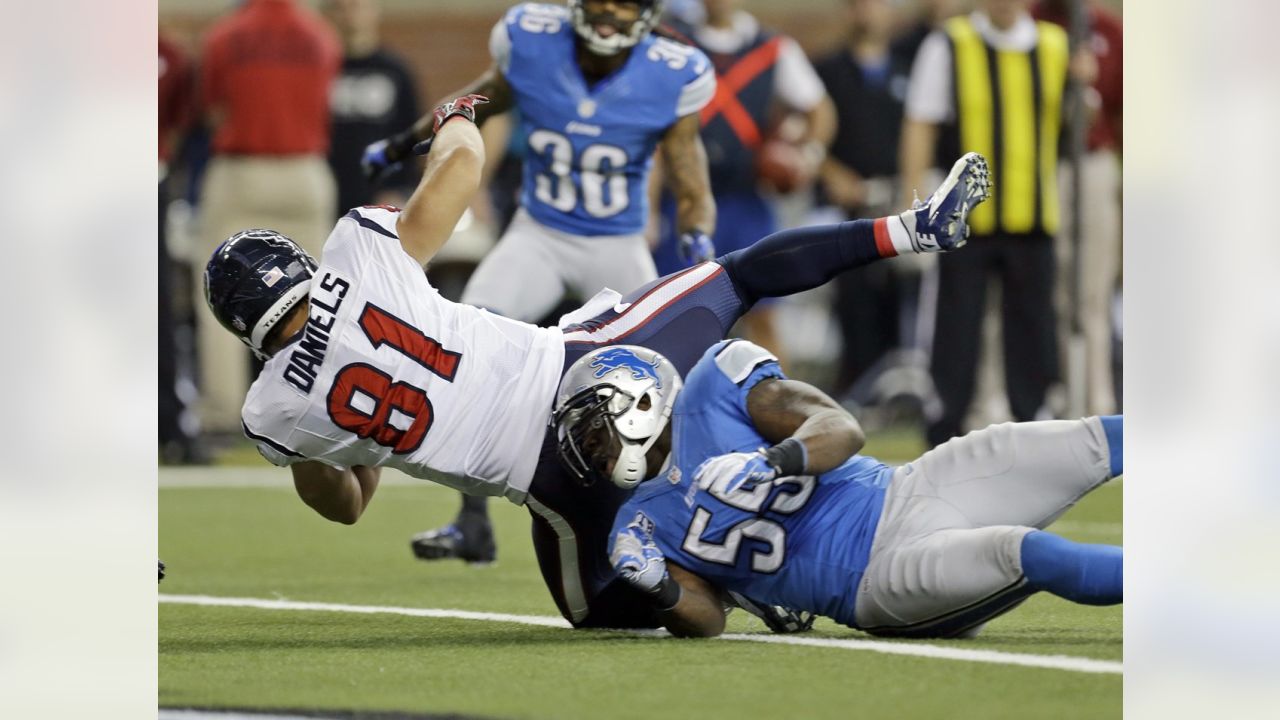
(388, 373)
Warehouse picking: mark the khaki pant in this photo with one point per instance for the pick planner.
(292, 195)
(1099, 272)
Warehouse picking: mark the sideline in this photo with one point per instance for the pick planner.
(996, 657)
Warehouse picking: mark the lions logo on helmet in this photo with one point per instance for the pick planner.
(618, 39)
(621, 358)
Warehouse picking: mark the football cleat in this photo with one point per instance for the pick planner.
(467, 540)
(940, 223)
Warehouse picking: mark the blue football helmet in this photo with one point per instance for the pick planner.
(253, 280)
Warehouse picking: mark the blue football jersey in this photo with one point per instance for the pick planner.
(801, 542)
(589, 147)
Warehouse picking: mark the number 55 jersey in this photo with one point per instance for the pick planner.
(800, 542)
(388, 373)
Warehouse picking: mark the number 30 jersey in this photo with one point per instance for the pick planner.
(388, 373)
(800, 542)
(590, 147)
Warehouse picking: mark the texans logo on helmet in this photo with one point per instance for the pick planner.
(622, 359)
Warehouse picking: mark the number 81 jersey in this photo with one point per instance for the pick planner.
(590, 147)
(388, 373)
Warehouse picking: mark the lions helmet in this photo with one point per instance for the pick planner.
(253, 280)
(617, 396)
(621, 38)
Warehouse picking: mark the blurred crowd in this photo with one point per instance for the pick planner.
(264, 118)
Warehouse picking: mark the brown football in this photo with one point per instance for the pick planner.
(780, 165)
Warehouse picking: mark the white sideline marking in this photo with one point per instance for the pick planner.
(1050, 662)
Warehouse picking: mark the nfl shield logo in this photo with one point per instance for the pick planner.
(587, 108)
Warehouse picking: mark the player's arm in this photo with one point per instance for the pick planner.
(454, 168)
(684, 164)
(385, 155)
(492, 84)
(687, 605)
(698, 612)
(338, 495)
(811, 432)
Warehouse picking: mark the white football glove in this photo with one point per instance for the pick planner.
(735, 471)
(637, 558)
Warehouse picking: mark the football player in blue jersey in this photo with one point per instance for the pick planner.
(757, 488)
(597, 93)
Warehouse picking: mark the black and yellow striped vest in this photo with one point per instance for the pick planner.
(1009, 108)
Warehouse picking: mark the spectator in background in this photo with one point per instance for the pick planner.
(265, 78)
(867, 83)
(928, 17)
(1100, 200)
(175, 99)
(374, 96)
(993, 82)
(757, 71)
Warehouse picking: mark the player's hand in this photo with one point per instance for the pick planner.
(637, 558)
(376, 161)
(695, 247)
(735, 471)
(464, 106)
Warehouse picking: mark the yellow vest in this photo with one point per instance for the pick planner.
(1009, 108)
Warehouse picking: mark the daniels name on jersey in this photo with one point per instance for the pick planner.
(590, 146)
(388, 373)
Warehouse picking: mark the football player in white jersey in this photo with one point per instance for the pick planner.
(596, 92)
(367, 366)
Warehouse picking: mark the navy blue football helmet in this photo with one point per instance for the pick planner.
(253, 280)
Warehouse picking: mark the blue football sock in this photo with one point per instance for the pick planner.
(1113, 426)
(1087, 574)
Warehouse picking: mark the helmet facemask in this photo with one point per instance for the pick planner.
(612, 407)
(585, 26)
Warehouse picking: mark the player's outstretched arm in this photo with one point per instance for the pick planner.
(338, 495)
(813, 433)
(454, 168)
(684, 163)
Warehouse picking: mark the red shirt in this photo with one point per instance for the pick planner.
(1106, 41)
(265, 79)
(175, 94)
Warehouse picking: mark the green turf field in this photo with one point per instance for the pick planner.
(259, 541)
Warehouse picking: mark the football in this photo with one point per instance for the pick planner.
(780, 165)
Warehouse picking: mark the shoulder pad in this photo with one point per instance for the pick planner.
(737, 359)
(675, 55)
(538, 18)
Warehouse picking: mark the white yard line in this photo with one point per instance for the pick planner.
(1050, 662)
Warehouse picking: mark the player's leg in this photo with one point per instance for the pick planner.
(1023, 473)
(941, 584)
(621, 263)
(790, 261)
(571, 528)
(1028, 320)
(521, 277)
(959, 307)
(950, 582)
